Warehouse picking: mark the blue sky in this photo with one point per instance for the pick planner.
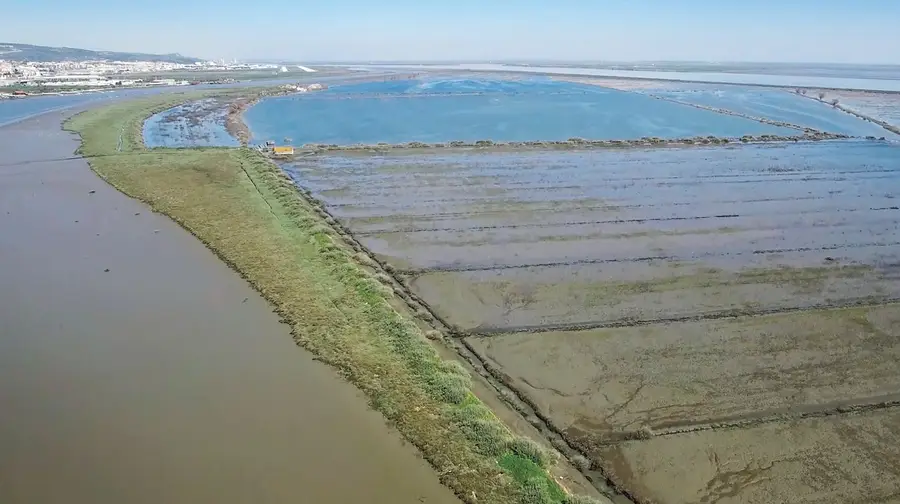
(864, 31)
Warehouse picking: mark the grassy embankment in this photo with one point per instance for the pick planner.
(247, 211)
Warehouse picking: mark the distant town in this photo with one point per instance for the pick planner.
(20, 76)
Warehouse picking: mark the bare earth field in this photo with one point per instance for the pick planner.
(841, 459)
(705, 324)
(604, 385)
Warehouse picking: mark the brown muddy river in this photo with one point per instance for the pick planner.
(137, 368)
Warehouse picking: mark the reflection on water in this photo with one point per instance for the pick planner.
(475, 109)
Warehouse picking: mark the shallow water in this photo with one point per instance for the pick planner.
(883, 108)
(136, 367)
(196, 124)
(516, 208)
(475, 109)
(778, 105)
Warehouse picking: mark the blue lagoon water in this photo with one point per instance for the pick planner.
(476, 109)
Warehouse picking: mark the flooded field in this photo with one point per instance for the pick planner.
(735, 307)
(776, 104)
(884, 107)
(442, 110)
(195, 124)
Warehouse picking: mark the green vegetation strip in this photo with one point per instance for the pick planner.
(250, 214)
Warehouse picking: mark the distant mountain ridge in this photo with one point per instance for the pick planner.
(28, 52)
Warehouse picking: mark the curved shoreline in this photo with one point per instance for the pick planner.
(234, 120)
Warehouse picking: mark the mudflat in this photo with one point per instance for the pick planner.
(136, 367)
(600, 386)
(832, 460)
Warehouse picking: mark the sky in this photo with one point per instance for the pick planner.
(863, 31)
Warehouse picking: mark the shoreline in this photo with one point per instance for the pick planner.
(234, 119)
(237, 126)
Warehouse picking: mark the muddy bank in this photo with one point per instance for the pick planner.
(234, 121)
(224, 110)
(573, 143)
(150, 371)
(199, 123)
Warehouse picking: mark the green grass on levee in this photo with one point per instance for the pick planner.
(250, 214)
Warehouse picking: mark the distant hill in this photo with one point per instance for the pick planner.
(27, 52)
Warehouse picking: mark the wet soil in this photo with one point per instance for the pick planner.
(625, 293)
(136, 367)
(470, 210)
(600, 386)
(832, 460)
(201, 123)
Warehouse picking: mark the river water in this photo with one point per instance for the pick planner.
(137, 368)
